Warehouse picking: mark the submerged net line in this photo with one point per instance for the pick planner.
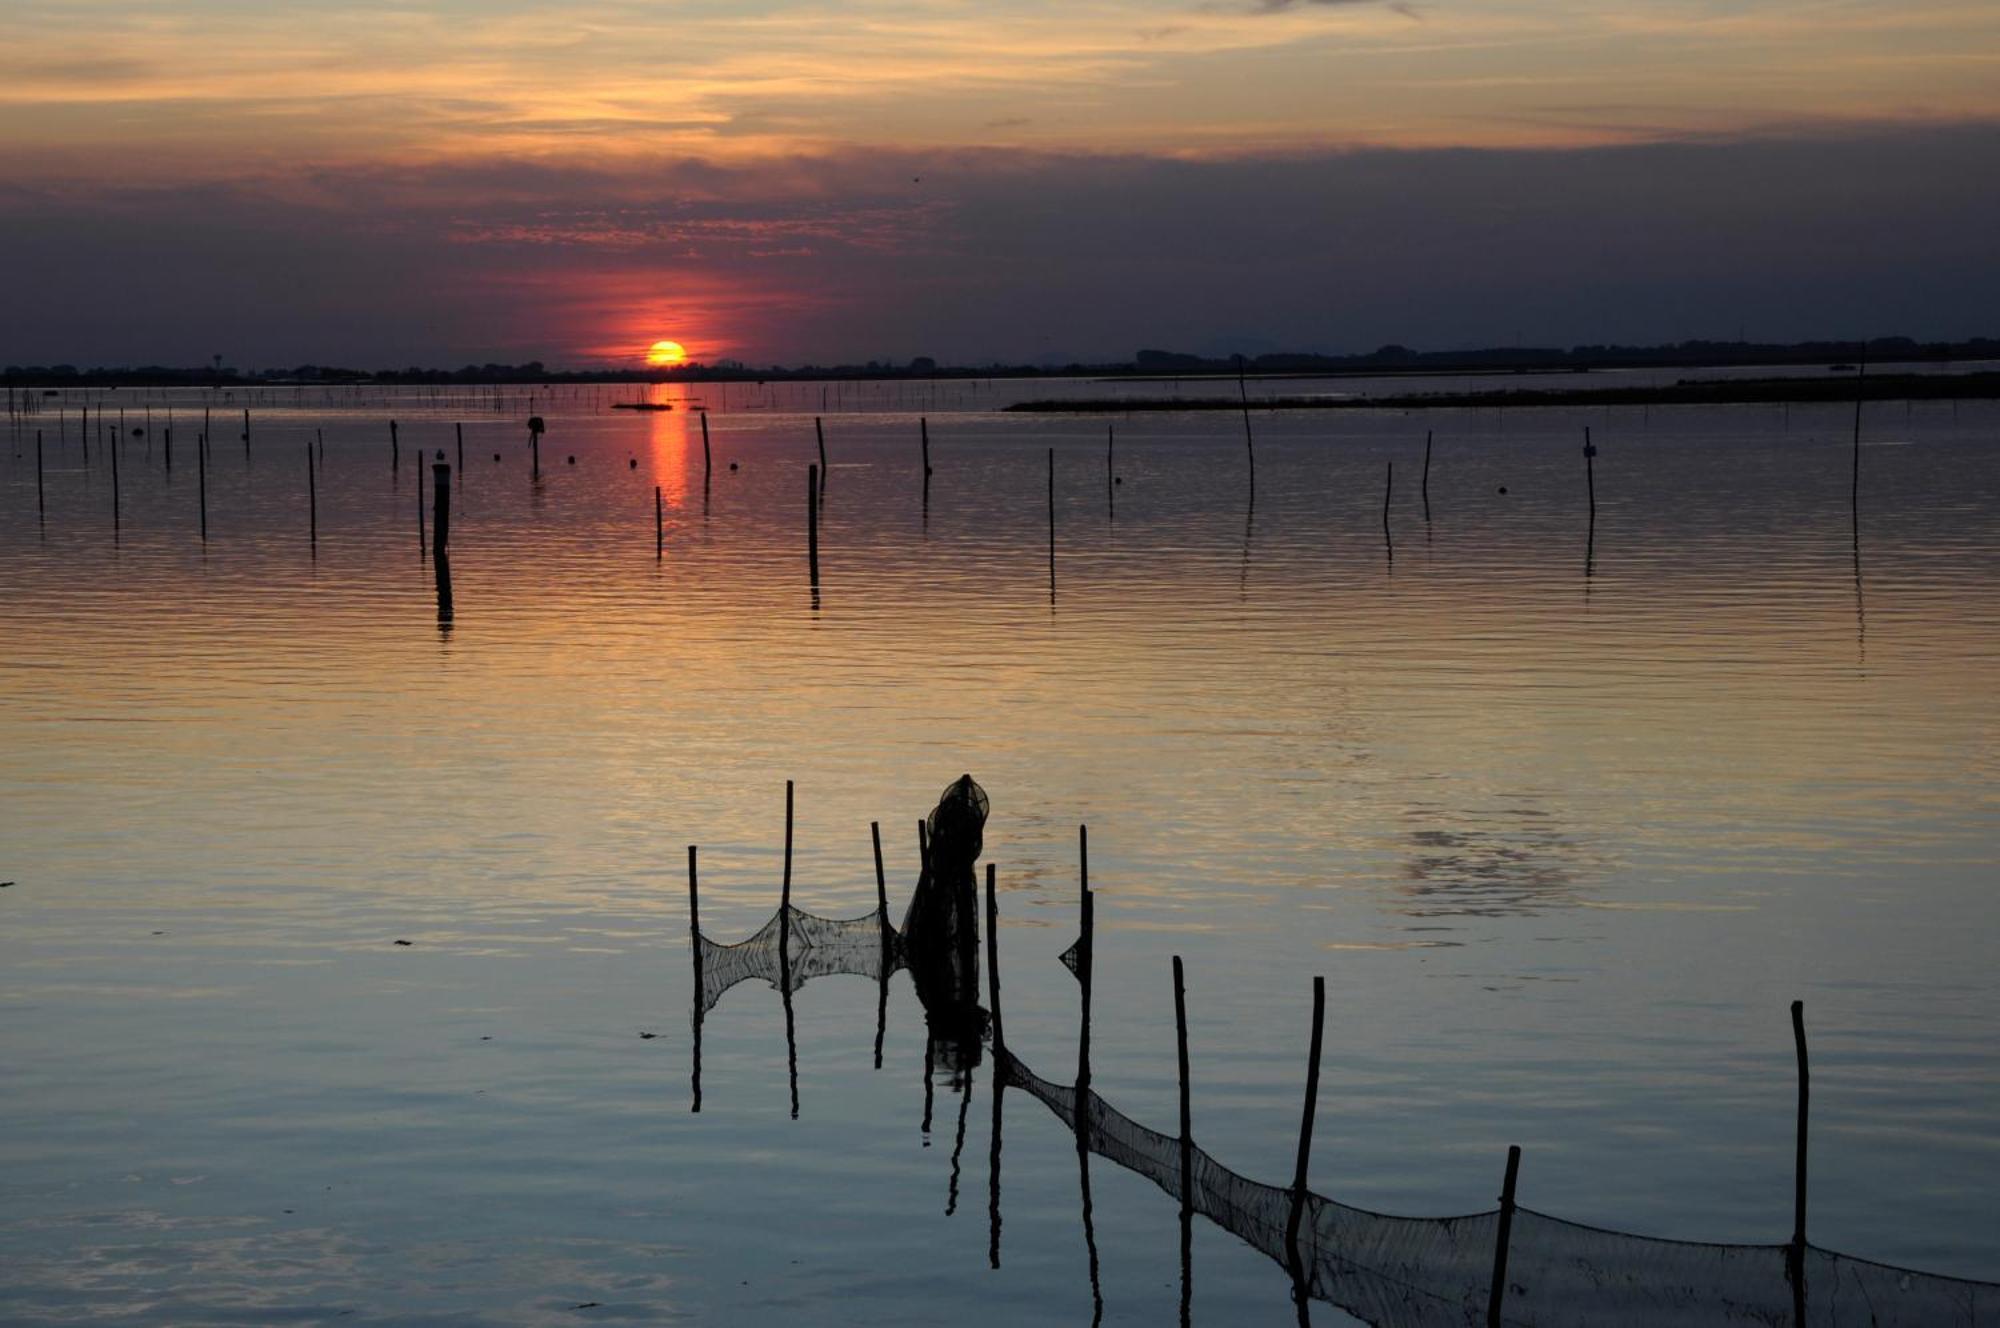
(815, 947)
(1411, 1272)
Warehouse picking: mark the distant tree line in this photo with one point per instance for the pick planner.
(1146, 363)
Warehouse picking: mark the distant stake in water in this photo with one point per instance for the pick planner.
(1249, 446)
(395, 449)
(812, 526)
(1111, 470)
(1590, 473)
(535, 428)
(1388, 491)
(659, 526)
(1854, 485)
(441, 536)
(460, 430)
(1425, 484)
(707, 460)
(246, 433)
(1052, 525)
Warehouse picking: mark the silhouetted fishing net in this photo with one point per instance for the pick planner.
(815, 947)
(1398, 1271)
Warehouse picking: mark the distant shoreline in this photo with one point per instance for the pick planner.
(1687, 392)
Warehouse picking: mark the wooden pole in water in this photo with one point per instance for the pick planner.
(1388, 491)
(1249, 447)
(1590, 472)
(1052, 525)
(312, 501)
(924, 433)
(1425, 484)
(169, 441)
(41, 497)
(812, 523)
(785, 898)
(1798, 1249)
(395, 449)
(459, 429)
(707, 461)
(659, 526)
(1187, 1127)
(1111, 470)
(820, 434)
(440, 507)
(116, 514)
(881, 880)
(993, 967)
(1306, 1119)
(1854, 485)
(1497, 1294)
(201, 475)
(694, 916)
(246, 431)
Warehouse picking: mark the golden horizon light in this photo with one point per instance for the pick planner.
(666, 354)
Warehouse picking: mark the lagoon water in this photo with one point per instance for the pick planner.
(1564, 835)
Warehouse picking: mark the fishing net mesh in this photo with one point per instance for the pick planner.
(815, 947)
(1399, 1271)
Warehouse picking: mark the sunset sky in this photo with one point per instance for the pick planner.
(441, 181)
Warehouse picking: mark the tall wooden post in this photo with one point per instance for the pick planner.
(993, 969)
(1306, 1119)
(117, 446)
(694, 942)
(785, 897)
(1796, 1255)
(659, 526)
(1181, 1051)
(1496, 1295)
(459, 429)
(395, 449)
(707, 461)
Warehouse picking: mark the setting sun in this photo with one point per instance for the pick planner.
(666, 354)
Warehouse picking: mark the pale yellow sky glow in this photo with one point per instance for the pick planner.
(121, 88)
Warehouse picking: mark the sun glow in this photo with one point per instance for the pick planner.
(666, 354)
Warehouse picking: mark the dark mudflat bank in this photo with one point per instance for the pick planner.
(1687, 392)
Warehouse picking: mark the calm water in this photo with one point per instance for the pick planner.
(1564, 839)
